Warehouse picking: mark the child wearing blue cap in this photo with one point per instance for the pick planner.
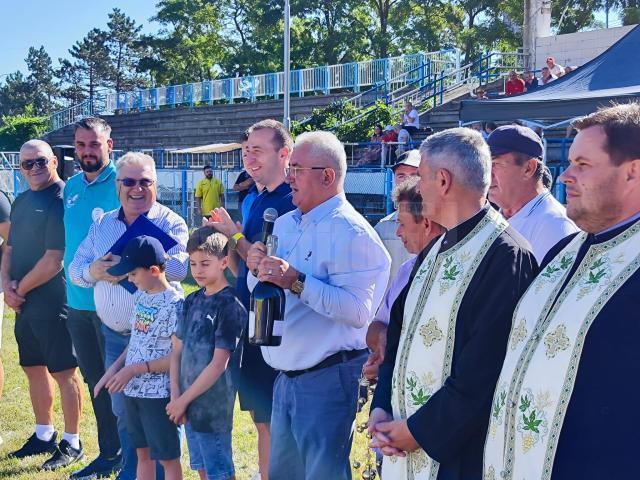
(142, 369)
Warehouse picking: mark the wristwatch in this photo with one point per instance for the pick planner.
(234, 239)
(298, 286)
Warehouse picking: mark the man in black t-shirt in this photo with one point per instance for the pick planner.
(35, 288)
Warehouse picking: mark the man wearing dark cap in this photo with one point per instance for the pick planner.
(386, 228)
(518, 188)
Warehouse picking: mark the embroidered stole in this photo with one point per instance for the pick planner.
(543, 355)
(426, 341)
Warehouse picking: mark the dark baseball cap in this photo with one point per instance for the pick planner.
(515, 138)
(142, 251)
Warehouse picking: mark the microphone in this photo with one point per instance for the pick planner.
(269, 217)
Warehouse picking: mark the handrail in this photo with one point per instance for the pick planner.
(350, 76)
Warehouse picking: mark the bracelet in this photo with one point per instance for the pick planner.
(237, 236)
(148, 367)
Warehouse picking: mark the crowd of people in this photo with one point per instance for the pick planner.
(497, 324)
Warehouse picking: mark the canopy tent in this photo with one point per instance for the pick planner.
(612, 76)
(212, 148)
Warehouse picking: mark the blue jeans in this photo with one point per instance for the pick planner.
(114, 345)
(312, 423)
(211, 452)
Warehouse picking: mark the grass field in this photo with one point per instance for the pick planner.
(16, 425)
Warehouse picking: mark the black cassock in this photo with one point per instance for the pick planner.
(451, 427)
(599, 436)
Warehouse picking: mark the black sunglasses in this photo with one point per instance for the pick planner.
(29, 164)
(132, 182)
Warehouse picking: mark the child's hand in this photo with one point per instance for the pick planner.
(119, 380)
(176, 410)
(101, 383)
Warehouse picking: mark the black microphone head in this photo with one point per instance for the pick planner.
(270, 215)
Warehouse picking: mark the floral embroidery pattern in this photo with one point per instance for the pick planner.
(420, 390)
(533, 423)
(597, 277)
(498, 404)
(555, 270)
(422, 272)
(430, 332)
(419, 460)
(556, 341)
(518, 334)
(453, 271)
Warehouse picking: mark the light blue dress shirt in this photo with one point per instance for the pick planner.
(347, 270)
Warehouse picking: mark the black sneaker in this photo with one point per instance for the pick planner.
(101, 467)
(64, 455)
(35, 446)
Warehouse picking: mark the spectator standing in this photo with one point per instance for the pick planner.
(34, 287)
(404, 139)
(546, 76)
(136, 180)
(334, 270)
(556, 69)
(517, 187)
(388, 226)
(142, 370)
(410, 118)
(203, 389)
(515, 85)
(209, 193)
(268, 150)
(87, 196)
(530, 82)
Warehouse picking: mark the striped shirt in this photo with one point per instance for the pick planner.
(114, 304)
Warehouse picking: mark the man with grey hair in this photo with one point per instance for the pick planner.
(136, 185)
(448, 328)
(87, 196)
(334, 270)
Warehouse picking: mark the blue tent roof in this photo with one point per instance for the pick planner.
(612, 76)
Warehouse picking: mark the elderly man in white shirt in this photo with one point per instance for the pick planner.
(517, 187)
(334, 270)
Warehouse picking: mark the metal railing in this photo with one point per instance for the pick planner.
(322, 79)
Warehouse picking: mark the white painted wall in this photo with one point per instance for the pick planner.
(577, 48)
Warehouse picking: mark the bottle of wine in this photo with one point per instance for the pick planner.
(266, 314)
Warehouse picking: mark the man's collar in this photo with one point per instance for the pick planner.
(320, 211)
(104, 175)
(457, 233)
(616, 230)
(150, 213)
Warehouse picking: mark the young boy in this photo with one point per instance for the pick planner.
(144, 377)
(202, 386)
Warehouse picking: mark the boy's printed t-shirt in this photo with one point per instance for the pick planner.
(209, 322)
(152, 324)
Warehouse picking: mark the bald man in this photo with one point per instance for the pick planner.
(35, 288)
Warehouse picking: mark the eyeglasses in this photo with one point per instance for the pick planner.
(293, 171)
(132, 182)
(29, 164)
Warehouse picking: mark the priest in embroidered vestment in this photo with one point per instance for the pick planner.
(449, 327)
(566, 403)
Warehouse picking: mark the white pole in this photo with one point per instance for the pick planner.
(287, 72)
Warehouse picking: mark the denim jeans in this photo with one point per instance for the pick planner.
(312, 423)
(114, 345)
(88, 344)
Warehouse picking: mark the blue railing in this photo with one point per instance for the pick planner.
(325, 79)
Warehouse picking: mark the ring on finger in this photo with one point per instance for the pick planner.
(269, 272)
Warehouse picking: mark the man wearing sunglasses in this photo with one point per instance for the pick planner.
(35, 288)
(87, 196)
(136, 180)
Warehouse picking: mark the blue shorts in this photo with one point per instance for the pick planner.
(210, 452)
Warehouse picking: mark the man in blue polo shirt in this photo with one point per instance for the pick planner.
(87, 196)
(269, 147)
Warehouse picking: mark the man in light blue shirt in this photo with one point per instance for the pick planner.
(87, 196)
(334, 269)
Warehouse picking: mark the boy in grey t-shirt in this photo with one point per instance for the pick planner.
(142, 369)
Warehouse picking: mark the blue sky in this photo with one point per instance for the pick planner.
(58, 24)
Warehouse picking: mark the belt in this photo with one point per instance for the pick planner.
(334, 359)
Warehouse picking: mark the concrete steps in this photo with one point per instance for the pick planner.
(193, 126)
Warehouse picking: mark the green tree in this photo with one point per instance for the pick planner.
(15, 94)
(91, 65)
(123, 36)
(17, 129)
(41, 80)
